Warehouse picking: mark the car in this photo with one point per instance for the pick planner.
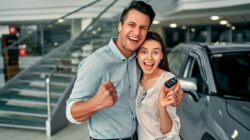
(215, 79)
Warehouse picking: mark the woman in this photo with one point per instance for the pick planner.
(156, 117)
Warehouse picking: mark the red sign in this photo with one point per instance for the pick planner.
(22, 52)
(12, 30)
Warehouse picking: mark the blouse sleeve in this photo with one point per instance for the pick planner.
(174, 132)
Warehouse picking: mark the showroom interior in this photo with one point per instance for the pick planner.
(42, 42)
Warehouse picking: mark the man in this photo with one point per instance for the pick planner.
(105, 89)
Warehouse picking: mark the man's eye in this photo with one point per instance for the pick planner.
(143, 28)
(131, 25)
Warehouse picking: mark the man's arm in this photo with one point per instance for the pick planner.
(105, 97)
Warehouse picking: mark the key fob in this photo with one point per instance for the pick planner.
(169, 83)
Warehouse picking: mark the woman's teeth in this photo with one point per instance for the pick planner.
(148, 65)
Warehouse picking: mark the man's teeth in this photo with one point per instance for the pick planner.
(134, 39)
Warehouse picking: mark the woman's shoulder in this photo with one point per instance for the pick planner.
(164, 77)
(167, 75)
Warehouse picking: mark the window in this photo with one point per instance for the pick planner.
(195, 72)
(177, 61)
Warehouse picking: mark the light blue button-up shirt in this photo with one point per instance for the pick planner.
(108, 63)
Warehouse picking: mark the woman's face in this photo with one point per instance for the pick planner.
(149, 56)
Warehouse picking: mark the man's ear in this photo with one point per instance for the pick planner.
(119, 27)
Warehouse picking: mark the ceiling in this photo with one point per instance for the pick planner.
(182, 12)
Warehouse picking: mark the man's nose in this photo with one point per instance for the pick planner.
(137, 31)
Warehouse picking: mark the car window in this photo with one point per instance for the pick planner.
(232, 72)
(194, 71)
(177, 61)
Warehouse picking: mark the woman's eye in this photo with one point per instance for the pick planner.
(155, 52)
(143, 51)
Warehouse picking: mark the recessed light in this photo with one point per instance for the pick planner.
(173, 25)
(214, 17)
(61, 20)
(223, 22)
(156, 22)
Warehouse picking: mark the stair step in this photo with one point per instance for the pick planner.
(41, 78)
(72, 74)
(21, 123)
(41, 82)
(21, 110)
(34, 93)
(33, 90)
(27, 86)
(63, 66)
(24, 99)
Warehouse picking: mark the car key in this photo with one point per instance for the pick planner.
(169, 83)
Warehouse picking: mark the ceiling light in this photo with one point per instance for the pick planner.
(173, 25)
(156, 22)
(214, 17)
(223, 22)
(60, 20)
(193, 30)
(233, 28)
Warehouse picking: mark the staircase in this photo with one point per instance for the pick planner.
(24, 99)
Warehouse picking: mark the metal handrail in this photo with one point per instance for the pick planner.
(48, 121)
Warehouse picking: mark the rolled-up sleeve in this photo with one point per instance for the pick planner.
(89, 77)
(69, 115)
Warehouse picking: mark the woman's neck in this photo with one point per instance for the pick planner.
(153, 75)
(148, 80)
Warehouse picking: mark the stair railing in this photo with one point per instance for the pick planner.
(48, 121)
(48, 81)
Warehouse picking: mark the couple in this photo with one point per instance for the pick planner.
(111, 92)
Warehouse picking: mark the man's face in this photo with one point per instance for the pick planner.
(132, 32)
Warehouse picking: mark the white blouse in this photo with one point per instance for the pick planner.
(148, 115)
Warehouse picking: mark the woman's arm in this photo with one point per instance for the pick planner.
(165, 121)
(165, 99)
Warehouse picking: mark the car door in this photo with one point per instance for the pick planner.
(190, 108)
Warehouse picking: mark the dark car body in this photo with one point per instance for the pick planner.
(216, 82)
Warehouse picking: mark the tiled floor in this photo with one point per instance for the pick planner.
(71, 132)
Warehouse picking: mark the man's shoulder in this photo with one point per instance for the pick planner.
(100, 52)
(96, 57)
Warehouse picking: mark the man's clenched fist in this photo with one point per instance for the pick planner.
(106, 95)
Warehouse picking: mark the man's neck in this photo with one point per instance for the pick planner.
(122, 49)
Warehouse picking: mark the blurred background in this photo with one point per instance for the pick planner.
(43, 41)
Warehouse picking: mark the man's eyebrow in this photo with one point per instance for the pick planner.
(131, 22)
(144, 26)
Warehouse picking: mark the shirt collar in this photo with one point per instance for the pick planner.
(116, 52)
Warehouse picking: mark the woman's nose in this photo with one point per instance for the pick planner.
(149, 56)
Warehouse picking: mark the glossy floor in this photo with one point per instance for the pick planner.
(71, 132)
